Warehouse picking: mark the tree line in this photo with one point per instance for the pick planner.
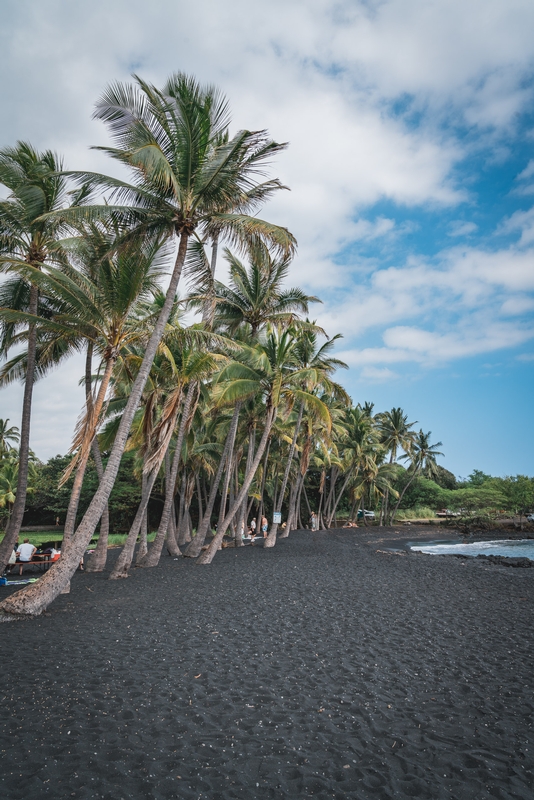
(222, 394)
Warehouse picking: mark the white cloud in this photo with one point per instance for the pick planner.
(517, 305)
(431, 348)
(461, 228)
(378, 375)
(528, 172)
(520, 221)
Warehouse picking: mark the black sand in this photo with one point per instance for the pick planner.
(324, 668)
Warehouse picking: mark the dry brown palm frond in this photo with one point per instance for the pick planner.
(88, 423)
(163, 431)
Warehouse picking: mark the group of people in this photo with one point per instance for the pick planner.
(24, 554)
(314, 523)
(252, 532)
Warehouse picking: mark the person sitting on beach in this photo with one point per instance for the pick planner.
(12, 561)
(350, 524)
(25, 553)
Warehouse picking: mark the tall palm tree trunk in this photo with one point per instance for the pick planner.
(171, 538)
(93, 414)
(143, 532)
(199, 497)
(141, 528)
(17, 512)
(209, 554)
(195, 546)
(154, 553)
(243, 515)
(340, 495)
(124, 561)
(290, 511)
(97, 562)
(226, 485)
(262, 488)
(35, 598)
(270, 541)
(401, 495)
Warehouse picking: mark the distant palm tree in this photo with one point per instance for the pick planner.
(7, 435)
(395, 435)
(422, 458)
(9, 469)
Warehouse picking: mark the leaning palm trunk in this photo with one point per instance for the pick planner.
(17, 512)
(290, 513)
(141, 527)
(328, 513)
(195, 546)
(262, 487)
(154, 553)
(181, 512)
(294, 508)
(340, 495)
(226, 484)
(90, 425)
(270, 541)
(184, 532)
(401, 495)
(245, 508)
(38, 596)
(143, 533)
(97, 562)
(171, 539)
(208, 555)
(124, 561)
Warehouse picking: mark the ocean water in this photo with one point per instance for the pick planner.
(513, 548)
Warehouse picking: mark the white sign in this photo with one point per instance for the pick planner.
(277, 517)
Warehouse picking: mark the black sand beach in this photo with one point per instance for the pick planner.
(328, 667)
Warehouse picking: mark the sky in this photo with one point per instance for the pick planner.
(411, 168)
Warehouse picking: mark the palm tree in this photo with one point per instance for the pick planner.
(395, 435)
(9, 469)
(315, 365)
(7, 434)
(195, 366)
(186, 171)
(96, 305)
(273, 373)
(422, 456)
(28, 238)
(255, 295)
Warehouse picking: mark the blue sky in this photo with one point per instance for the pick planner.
(411, 167)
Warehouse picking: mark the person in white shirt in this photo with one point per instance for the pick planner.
(25, 553)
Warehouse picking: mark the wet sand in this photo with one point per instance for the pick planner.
(323, 668)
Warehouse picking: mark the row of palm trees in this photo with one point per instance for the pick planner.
(222, 406)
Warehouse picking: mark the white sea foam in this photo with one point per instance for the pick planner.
(512, 548)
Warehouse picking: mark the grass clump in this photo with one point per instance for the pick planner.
(419, 512)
